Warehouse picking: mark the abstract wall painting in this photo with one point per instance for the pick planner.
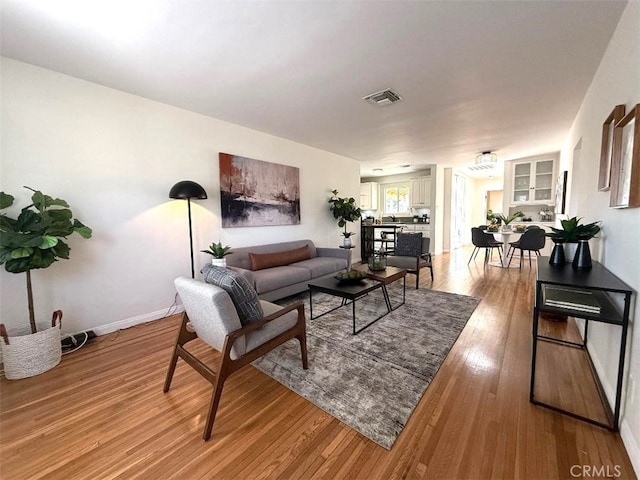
(254, 193)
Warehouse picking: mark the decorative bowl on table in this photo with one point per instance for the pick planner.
(519, 228)
(354, 276)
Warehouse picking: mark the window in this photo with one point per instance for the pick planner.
(396, 198)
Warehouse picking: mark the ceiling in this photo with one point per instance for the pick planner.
(505, 76)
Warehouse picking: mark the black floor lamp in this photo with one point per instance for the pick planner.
(186, 189)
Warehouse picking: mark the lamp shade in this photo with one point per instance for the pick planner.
(187, 189)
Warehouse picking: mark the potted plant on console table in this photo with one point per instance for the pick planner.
(344, 210)
(35, 239)
(573, 231)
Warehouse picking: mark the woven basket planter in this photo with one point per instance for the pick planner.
(28, 354)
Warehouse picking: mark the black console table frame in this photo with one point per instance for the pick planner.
(601, 283)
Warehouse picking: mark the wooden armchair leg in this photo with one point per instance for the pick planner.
(184, 336)
(302, 338)
(213, 406)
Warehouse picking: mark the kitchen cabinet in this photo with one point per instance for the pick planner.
(419, 227)
(533, 181)
(369, 196)
(420, 192)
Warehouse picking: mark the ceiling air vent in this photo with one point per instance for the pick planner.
(481, 167)
(385, 97)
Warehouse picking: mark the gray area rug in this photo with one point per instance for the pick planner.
(371, 381)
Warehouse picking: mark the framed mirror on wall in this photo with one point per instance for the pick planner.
(561, 192)
(625, 164)
(606, 152)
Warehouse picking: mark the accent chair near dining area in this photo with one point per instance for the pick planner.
(412, 253)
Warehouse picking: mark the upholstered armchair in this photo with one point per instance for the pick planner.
(412, 253)
(237, 324)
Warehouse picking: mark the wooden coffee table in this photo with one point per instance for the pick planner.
(349, 293)
(386, 276)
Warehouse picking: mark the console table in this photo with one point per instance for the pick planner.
(595, 295)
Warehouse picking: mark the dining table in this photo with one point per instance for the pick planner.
(504, 236)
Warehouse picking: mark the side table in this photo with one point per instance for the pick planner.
(594, 295)
(348, 259)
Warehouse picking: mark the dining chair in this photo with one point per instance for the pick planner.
(480, 240)
(533, 239)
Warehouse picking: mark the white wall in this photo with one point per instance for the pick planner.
(114, 157)
(617, 81)
(480, 188)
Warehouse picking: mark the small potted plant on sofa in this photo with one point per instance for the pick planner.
(344, 210)
(218, 252)
(35, 239)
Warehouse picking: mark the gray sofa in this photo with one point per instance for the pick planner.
(281, 281)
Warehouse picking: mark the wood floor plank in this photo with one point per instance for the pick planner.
(101, 413)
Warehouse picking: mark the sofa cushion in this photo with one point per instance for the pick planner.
(260, 261)
(319, 266)
(240, 257)
(272, 329)
(242, 294)
(278, 277)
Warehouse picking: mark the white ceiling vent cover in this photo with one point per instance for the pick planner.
(385, 97)
(480, 168)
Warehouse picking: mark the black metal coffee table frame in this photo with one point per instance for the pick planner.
(349, 293)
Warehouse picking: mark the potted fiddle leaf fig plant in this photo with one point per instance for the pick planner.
(344, 210)
(33, 240)
(218, 252)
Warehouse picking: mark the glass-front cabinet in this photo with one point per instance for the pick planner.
(533, 181)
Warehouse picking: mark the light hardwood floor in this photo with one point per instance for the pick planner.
(102, 414)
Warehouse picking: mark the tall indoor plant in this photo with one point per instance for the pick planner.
(344, 210)
(34, 239)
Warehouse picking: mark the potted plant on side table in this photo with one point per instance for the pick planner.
(573, 231)
(33, 240)
(344, 210)
(218, 252)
